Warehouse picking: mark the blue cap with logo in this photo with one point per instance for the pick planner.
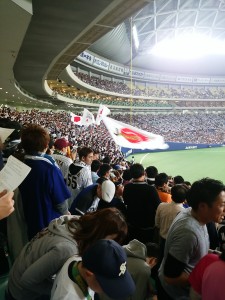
(107, 260)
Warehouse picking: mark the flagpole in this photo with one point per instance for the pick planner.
(131, 70)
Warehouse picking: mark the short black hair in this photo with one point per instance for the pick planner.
(179, 193)
(205, 190)
(137, 170)
(151, 171)
(178, 179)
(161, 179)
(104, 168)
(95, 165)
(152, 250)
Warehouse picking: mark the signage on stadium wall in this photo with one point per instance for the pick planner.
(164, 77)
(217, 80)
(136, 73)
(184, 79)
(116, 69)
(102, 64)
(87, 57)
(201, 79)
(152, 76)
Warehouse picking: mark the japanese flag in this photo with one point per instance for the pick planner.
(76, 119)
(88, 118)
(102, 112)
(132, 137)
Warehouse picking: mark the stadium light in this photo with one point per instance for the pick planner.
(135, 36)
(189, 46)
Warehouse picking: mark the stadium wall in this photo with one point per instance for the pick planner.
(172, 147)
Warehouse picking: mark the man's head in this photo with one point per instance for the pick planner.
(179, 193)
(104, 171)
(86, 155)
(161, 180)
(96, 154)
(95, 165)
(137, 171)
(105, 262)
(151, 171)
(34, 138)
(207, 199)
(61, 145)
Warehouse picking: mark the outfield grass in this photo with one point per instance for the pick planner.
(191, 164)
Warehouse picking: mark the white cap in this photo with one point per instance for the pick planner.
(108, 190)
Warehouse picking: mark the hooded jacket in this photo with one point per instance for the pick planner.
(41, 258)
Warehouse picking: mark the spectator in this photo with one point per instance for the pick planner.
(95, 165)
(104, 171)
(206, 199)
(178, 179)
(102, 268)
(79, 175)
(161, 183)
(166, 213)
(32, 273)
(44, 184)
(151, 173)
(140, 260)
(87, 200)
(142, 201)
(60, 157)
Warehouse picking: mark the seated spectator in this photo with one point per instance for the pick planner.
(161, 183)
(102, 268)
(87, 200)
(117, 200)
(151, 173)
(32, 273)
(95, 165)
(141, 259)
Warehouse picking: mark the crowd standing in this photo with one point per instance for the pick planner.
(132, 233)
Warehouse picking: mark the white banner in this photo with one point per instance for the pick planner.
(164, 77)
(184, 79)
(201, 79)
(102, 64)
(116, 69)
(152, 76)
(85, 56)
(217, 80)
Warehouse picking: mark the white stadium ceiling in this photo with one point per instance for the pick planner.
(167, 19)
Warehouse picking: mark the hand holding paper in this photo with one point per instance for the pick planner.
(13, 173)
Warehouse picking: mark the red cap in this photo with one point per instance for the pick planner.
(61, 143)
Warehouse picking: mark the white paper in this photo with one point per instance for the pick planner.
(13, 174)
(5, 132)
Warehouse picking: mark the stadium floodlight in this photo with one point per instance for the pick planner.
(135, 37)
(189, 46)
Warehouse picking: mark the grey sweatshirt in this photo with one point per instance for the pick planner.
(40, 259)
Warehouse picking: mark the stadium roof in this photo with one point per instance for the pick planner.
(40, 38)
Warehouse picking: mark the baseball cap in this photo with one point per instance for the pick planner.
(61, 143)
(107, 260)
(108, 190)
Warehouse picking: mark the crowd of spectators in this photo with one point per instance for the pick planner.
(191, 128)
(160, 92)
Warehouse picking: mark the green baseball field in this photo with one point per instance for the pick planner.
(190, 164)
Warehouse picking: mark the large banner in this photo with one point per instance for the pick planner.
(102, 64)
(116, 69)
(87, 57)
